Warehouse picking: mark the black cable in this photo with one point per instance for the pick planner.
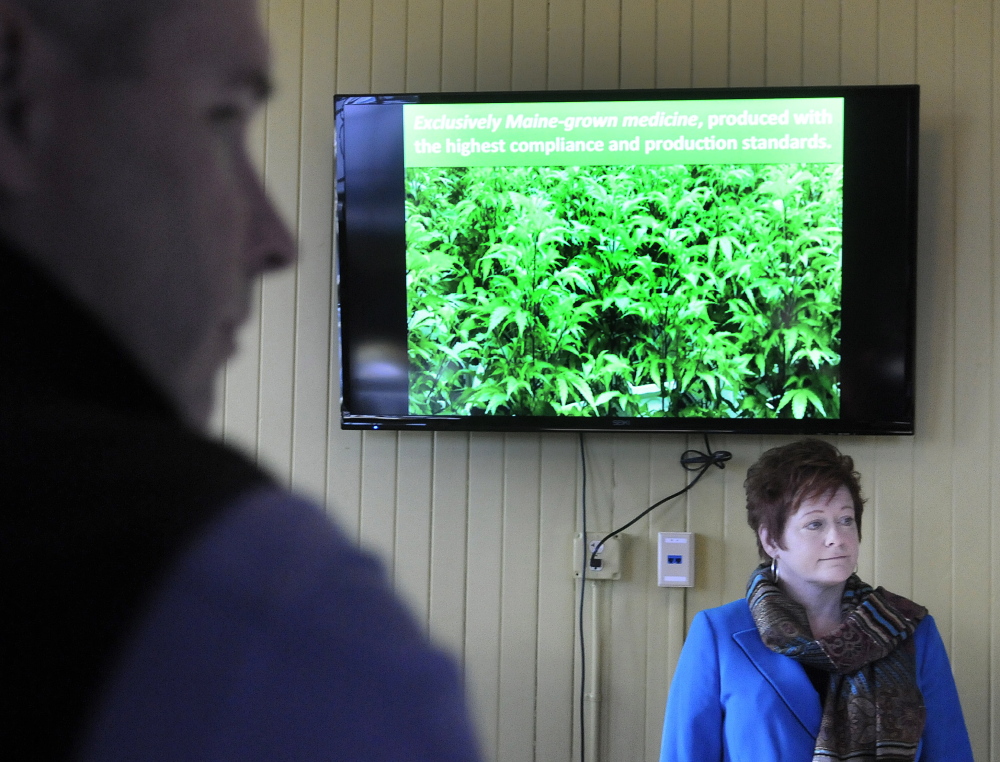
(691, 460)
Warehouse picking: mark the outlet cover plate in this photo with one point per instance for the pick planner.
(609, 556)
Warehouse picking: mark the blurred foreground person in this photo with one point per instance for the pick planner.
(813, 664)
(163, 598)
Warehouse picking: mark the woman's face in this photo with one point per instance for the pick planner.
(819, 547)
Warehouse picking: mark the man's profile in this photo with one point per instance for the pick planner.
(163, 598)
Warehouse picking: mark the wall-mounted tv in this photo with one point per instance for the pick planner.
(725, 260)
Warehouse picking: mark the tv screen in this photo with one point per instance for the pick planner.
(737, 260)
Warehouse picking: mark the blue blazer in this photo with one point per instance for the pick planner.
(732, 698)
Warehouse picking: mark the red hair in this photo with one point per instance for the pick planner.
(784, 476)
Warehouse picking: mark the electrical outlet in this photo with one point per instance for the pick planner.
(606, 562)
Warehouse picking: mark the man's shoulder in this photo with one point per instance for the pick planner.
(275, 619)
(98, 505)
(282, 550)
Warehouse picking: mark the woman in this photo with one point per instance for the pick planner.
(813, 663)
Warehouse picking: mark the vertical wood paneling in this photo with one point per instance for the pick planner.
(624, 733)
(414, 511)
(674, 43)
(749, 44)
(493, 47)
(600, 518)
(314, 317)
(449, 540)
(484, 563)
(859, 42)
(344, 451)
(890, 486)
(277, 365)
(423, 45)
(740, 544)
(343, 478)
(458, 45)
(897, 51)
(377, 528)
(566, 35)
(665, 606)
(974, 270)
(558, 516)
(784, 42)
(519, 596)
(864, 451)
(476, 529)
(354, 46)
(601, 44)
(710, 52)
(529, 45)
(706, 519)
(821, 43)
(241, 382)
(600, 482)
(638, 45)
(389, 35)
(936, 316)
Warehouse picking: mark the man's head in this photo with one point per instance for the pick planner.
(124, 171)
(105, 36)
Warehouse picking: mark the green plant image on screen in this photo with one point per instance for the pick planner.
(677, 282)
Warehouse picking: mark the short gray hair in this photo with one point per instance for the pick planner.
(106, 36)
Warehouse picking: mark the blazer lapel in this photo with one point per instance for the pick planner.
(786, 676)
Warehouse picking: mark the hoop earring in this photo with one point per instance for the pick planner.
(774, 568)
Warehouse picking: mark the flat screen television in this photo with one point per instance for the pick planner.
(724, 260)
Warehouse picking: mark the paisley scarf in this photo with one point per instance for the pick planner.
(873, 708)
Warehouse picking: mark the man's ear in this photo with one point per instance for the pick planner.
(23, 72)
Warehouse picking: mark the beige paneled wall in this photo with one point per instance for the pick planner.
(476, 530)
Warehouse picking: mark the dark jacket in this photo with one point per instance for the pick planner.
(102, 487)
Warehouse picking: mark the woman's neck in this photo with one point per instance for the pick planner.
(823, 607)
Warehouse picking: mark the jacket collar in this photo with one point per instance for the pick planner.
(53, 350)
(786, 677)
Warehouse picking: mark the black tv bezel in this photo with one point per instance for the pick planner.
(880, 213)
